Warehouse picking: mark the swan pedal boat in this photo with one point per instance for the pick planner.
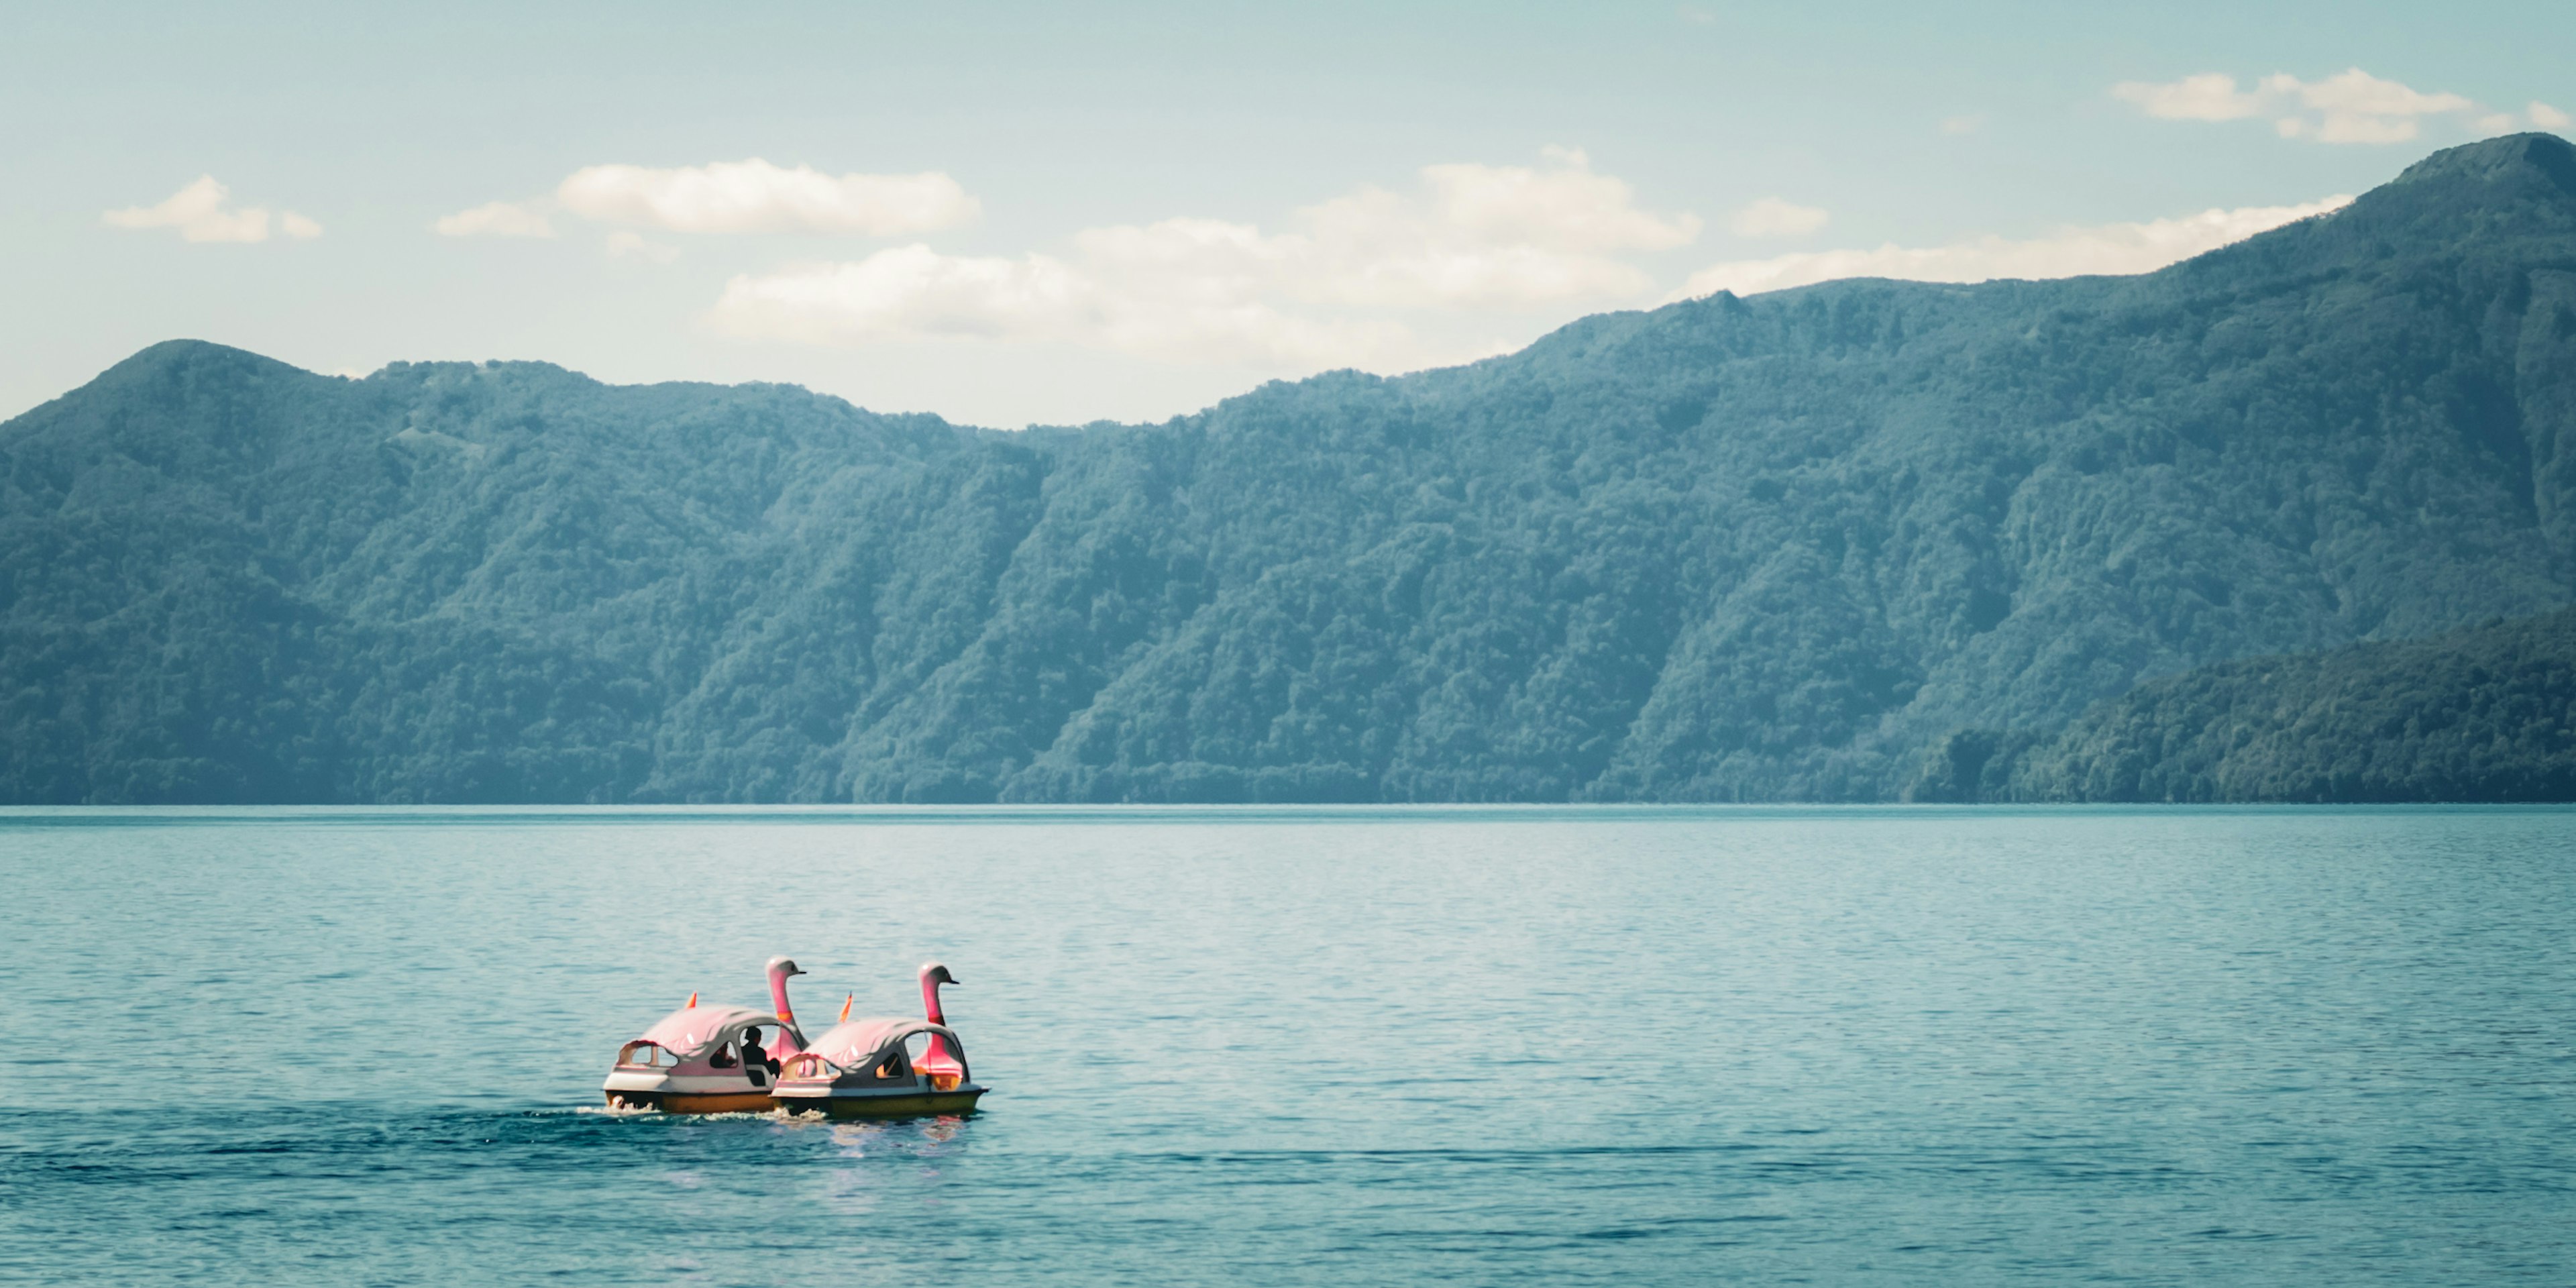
(879, 1068)
(672, 1067)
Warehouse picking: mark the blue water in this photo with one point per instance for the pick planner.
(1869, 1046)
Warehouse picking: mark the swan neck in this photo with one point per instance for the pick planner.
(786, 1014)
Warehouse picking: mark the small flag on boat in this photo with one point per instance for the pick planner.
(845, 1008)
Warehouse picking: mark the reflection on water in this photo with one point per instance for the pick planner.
(1484, 1046)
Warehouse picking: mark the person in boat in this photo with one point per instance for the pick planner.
(755, 1055)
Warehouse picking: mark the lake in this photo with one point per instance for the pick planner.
(1297, 1046)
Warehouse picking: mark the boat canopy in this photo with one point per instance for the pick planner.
(691, 1027)
(856, 1043)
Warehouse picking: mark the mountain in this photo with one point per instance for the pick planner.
(2482, 714)
(1781, 547)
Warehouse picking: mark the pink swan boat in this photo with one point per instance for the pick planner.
(692, 1060)
(886, 1067)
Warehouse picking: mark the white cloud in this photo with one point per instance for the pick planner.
(2357, 107)
(911, 291)
(1469, 237)
(495, 219)
(1206, 261)
(2351, 106)
(2362, 94)
(1968, 124)
(626, 242)
(756, 197)
(1773, 217)
(2547, 117)
(2107, 248)
(914, 292)
(199, 214)
(1565, 206)
(2210, 96)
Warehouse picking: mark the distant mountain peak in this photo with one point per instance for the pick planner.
(189, 364)
(2512, 159)
(178, 353)
(2476, 199)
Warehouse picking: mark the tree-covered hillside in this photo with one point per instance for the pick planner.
(1765, 548)
(2483, 714)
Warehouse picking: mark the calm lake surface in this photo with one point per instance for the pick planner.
(1374, 1047)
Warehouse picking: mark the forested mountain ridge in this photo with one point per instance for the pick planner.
(1765, 548)
(2485, 714)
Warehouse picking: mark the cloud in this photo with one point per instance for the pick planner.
(624, 243)
(198, 212)
(2354, 106)
(1772, 217)
(2351, 106)
(916, 293)
(756, 197)
(1476, 236)
(2211, 96)
(2107, 248)
(2547, 117)
(495, 219)
(913, 291)
(1968, 124)
(1467, 237)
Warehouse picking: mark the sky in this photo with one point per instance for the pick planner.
(1011, 214)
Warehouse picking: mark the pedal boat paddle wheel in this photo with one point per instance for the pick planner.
(692, 1060)
(883, 1068)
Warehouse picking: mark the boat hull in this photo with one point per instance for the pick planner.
(911, 1104)
(686, 1093)
(684, 1102)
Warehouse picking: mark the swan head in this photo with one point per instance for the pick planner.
(935, 973)
(783, 967)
